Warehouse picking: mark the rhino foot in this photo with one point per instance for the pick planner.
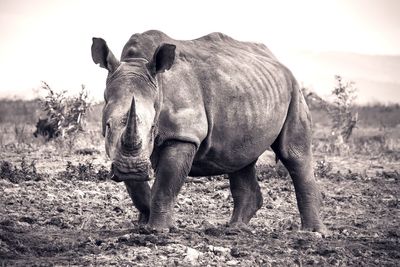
(161, 221)
(143, 218)
(237, 228)
(320, 228)
(148, 230)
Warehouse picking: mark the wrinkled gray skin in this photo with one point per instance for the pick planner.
(203, 107)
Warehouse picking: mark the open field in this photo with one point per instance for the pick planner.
(58, 207)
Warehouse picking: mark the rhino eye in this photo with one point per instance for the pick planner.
(107, 129)
(124, 119)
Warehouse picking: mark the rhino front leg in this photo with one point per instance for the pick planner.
(246, 194)
(140, 194)
(174, 163)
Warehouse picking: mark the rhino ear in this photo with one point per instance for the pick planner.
(162, 59)
(102, 55)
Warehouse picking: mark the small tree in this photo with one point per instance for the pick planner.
(65, 115)
(343, 114)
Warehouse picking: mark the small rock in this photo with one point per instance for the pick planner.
(237, 252)
(232, 263)
(186, 201)
(118, 209)
(60, 209)
(181, 223)
(317, 235)
(221, 195)
(219, 250)
(139, 257)
(192, 255)
(311, 235)
(269, 206)
(27, 219)
(124, 238)
(79, 193)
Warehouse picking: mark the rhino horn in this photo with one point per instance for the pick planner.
(130, 140)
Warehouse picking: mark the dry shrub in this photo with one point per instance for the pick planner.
(323, 169)
(15, 174)
(342, 111)
(65, 115)
(84, 172)
(267, 171)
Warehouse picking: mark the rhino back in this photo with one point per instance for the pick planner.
(228, 97)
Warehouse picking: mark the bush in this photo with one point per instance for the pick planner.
(65, 115)
(84, 172)
(342, 112)
(323, 169)
(26, 172)
(267, 171)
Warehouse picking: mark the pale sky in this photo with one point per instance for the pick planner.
(50, 40)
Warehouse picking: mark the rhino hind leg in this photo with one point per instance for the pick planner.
(140, 194)
(246, 194)
(307, 192)
(293, 148)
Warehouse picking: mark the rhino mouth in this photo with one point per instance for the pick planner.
(119, 175)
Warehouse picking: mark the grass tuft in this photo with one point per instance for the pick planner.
(15, 174)
(84, 172)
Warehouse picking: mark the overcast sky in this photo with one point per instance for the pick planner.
(50, 40)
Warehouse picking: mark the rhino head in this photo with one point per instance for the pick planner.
(131, 109)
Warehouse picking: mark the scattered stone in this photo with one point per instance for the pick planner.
(60, 209)
(186, 201)
(219, 250)
(57, 221)
(345, 232)
(27, 219)
(124, 238)
(192, 255)
(269, 206)
(238, 253)
(221, 195)
(232, 262)
(118, 209)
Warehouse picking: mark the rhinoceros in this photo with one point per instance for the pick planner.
(203, 107)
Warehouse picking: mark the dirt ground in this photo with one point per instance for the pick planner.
(60, 220)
